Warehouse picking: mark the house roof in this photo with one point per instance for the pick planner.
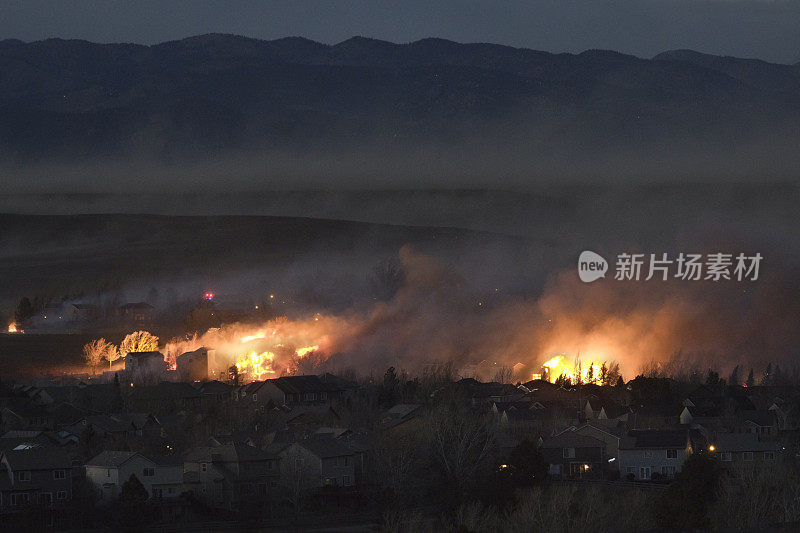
(166, 390)
(61, 394)
(706, 411)
(661, 411)
(572, 440)
(145, 355)
(137, 305)
(301, 384)
(37, 458)
(337, 382)
(109, 424)
(402, 410)
(66, 413)
(326, 447)
(612, 427)
(226, 453)
(21, 434)
(110, 459)
(309, 413)
(24, 409)
(479, 389)
(742, 442)
(655, 438)
(759, 417)
(166, 460)
(702, 392)
(333, 432)
(214, 387)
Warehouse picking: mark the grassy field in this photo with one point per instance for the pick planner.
(40, 355)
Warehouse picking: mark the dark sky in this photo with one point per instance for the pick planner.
(766, 29)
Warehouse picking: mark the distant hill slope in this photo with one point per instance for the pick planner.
(59, 255)
(210, 94)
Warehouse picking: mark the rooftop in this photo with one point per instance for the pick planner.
(655, 438)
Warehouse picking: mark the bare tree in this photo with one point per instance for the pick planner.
(112, 354)
(503, 374)
(461, 442)
(139, 341)
(297, 474)
(95, 351)
(386, 278)
(178, 345)
(394, 462)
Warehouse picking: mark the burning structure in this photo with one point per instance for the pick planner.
(145, 366)
(197, 365)
(570, 332)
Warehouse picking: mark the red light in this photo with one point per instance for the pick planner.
(209, 296)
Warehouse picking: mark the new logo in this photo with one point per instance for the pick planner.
(591, 266)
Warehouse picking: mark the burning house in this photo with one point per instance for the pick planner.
(145, 367)
(197, 365)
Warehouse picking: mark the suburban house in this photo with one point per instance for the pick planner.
(651, 454)
(573, 456)
(104, 426)
(109, 470)
(341, 389)
(403, 418)
(226, 475)
(139, 315)
(709, 416)
(760, 422)
(320, 462)
(21, 414)
(145, 367)
(607, 431)
(290, 390)
(216, 391)
(605, 410)
(34, 475)
(117, 425)
(654, 417)
(166, 397)
(745, 448)
(193, 366)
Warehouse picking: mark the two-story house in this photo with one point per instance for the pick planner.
(165, 397)
(226, 475)
(745, 449)
(607, 431)
(145, 367)
(290, 390)
(34, 475)
(643, 453)
(321, 461)
(162, 477)
(573, 456)
(137, 315)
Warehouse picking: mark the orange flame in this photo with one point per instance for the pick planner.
(561, 366)
(256, 365)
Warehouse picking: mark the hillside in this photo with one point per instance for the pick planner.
(214, 94)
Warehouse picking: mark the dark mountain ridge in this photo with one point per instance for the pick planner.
(212, 94)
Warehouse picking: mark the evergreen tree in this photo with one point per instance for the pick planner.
(777, 376)
(712, 378)
(750, 379)
(25, 310)
(733, 379)
(767, 379)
